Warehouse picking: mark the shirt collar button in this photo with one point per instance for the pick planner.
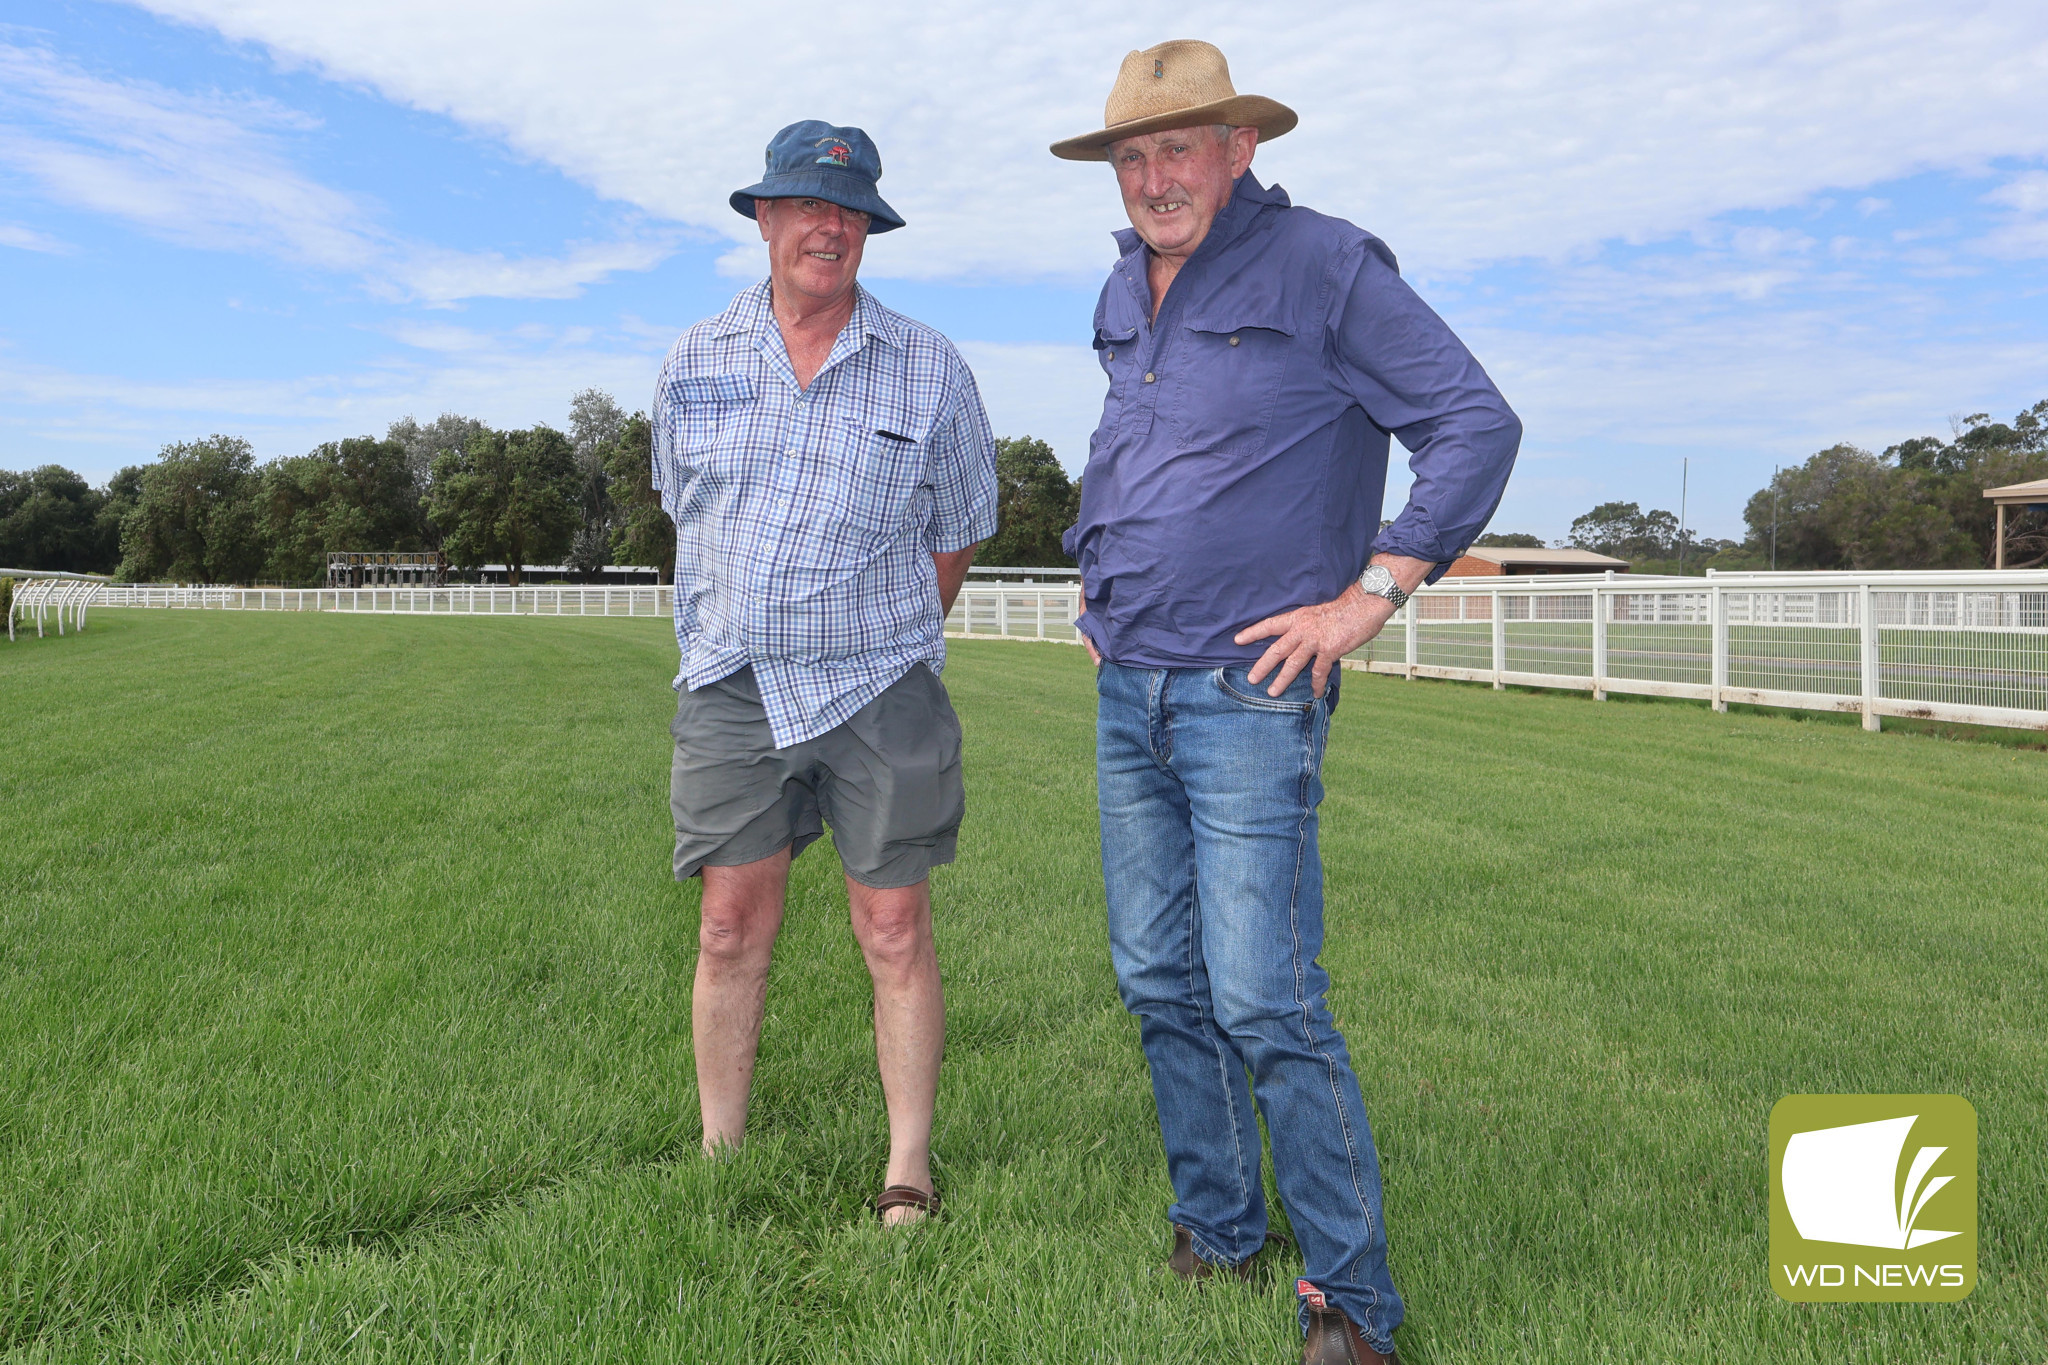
(1233, 341)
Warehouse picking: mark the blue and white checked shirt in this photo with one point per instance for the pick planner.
(806, 520)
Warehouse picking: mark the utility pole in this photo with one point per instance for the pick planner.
(1684, 483)
(1774, 518)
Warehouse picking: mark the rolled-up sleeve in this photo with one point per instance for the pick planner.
(963, 471)
(1413, 377)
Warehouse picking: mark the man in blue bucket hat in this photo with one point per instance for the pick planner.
(829, 470)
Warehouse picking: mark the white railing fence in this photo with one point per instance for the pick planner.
(1965, 647)
(1971, 648)
(461, 600)
(1017, 611)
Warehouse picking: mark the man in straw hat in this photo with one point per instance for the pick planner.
(829, 470)
(1258, 355)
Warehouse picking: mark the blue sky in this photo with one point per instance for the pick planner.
(1730, 238)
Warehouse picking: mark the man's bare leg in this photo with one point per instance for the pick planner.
(742, 913)
(894, 929)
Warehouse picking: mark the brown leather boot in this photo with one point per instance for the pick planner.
(1184, 1263)
(1333, 1338)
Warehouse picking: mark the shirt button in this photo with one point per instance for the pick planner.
(1149, 376)
(1233, 341)
(1112, 355)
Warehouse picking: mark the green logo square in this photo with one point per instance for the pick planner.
(1873, 1198)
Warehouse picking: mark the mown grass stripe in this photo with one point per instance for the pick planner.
(344, 1013)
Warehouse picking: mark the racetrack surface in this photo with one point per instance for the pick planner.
(344, 1014)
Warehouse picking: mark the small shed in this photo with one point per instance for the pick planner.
(2034, 494)
(1488, 561)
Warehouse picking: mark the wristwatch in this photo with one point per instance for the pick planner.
(1378, 580)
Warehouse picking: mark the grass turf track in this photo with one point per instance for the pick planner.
(344, 1015)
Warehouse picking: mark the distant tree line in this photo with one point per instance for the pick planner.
(206, 512)
(1918, 505)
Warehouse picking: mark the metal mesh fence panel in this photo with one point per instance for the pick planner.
(1549, 633)
(1963, 648)
(1795, 641)
(1660, 637)
(1454, 631)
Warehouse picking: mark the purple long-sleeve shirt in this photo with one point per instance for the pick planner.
(1241, 460)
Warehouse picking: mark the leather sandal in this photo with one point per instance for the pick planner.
(908, 1197)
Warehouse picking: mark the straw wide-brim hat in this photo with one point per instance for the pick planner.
(1181, 84)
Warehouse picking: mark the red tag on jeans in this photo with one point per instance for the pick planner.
(1311, 1293)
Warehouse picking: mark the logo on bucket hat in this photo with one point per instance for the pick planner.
(1873, 1198)
(837, 153)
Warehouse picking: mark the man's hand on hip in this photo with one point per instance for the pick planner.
(1094, 654)
(1322, 634)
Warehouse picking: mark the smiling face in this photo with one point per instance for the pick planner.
(1174, 183)
(813, 246)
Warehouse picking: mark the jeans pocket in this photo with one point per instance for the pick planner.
(1236, 684)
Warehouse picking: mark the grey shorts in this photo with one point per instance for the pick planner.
(888, 781)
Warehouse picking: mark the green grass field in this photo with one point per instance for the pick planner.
(344, 1002)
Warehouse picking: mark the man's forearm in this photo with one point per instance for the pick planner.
(951, 566)
(1408, 573)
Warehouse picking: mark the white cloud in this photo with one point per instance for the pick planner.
(111, 419)
(2025, 231)
(437, 275)
(28, 239)
(2028, 193)
(213, 173)
(1051, 392)
(1463, 133)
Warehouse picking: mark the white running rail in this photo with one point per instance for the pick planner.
(461, 600)
(1964, 647)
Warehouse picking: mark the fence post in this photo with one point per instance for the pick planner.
(1002, 610)
(1867, 622)
(1603, 605)
(1500, 642)
(1717, 615)
(1410, 650)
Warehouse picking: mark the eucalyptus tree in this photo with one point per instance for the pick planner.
(507, 497)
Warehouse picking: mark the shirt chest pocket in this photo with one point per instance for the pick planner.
(1227, 379)
(1116, 350)
(704, 404)
(878, 465)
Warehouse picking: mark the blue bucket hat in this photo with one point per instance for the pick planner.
(814, 160)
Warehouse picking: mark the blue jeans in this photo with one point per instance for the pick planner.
(1209, 789)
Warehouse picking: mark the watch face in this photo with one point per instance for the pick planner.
(1379, 581)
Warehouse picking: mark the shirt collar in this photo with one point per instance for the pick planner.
(752, 314)
(1247, 197)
